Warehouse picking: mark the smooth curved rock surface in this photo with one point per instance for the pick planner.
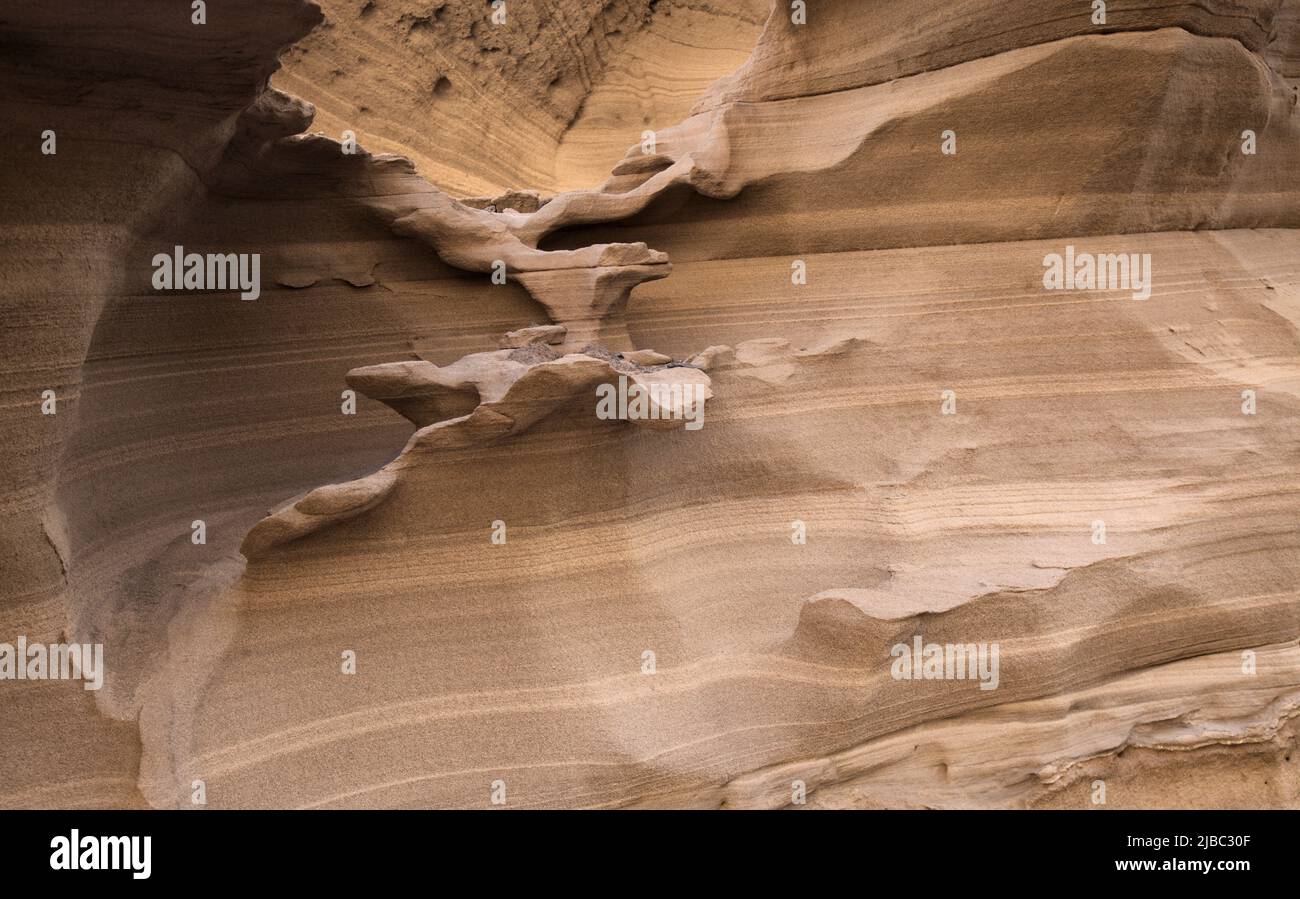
(397, 456)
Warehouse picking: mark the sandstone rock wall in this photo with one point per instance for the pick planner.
(905, 433)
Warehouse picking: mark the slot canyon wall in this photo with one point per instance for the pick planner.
(369, 538)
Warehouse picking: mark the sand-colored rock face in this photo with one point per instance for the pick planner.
(843, 44)
(785, 459)
(547, 101)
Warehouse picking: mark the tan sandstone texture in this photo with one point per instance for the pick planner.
(819, 253)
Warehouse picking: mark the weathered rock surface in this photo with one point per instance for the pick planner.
(548, 100)
(399, 456)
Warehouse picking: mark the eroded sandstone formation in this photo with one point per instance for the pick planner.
(430, 562)
(547, 103)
